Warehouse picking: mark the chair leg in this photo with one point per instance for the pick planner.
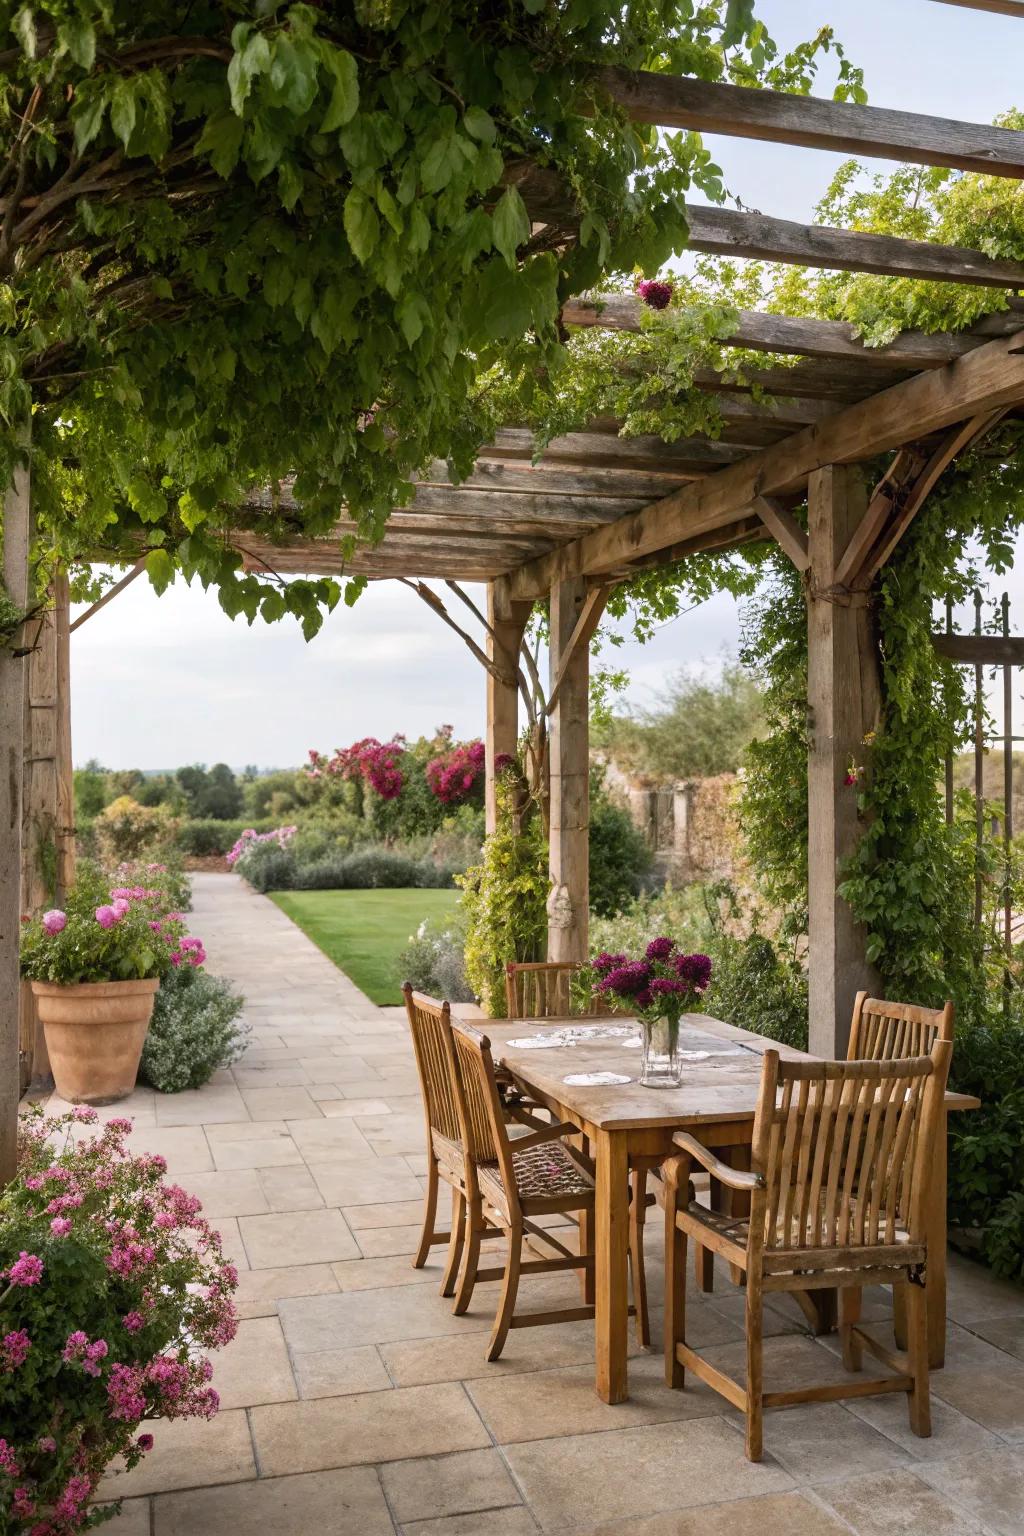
(509, 1287)
(755, 1367)
(429, 1214)
(850, 1297)
(470, 1258)
(675, 1295)
(637, 1219)
(455, 1243)
(917, 1349)
(899, 1314)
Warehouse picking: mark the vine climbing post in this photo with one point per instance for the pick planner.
(507, 621)
(16, 531)
(843, 698)
(570, 774)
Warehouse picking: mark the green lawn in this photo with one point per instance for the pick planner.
(364, 932)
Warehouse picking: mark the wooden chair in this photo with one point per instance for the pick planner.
(543, 990)
(431, 1027)
(838, 1190)
(883, 1031)
(508, 1183)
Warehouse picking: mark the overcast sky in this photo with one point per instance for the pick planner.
(157, 682)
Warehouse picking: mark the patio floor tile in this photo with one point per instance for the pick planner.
(188, 1453)
(254, 1367)
(579, 1480)
(367, 1427)
(495, 1522)
(305, 1237)
(235, 1193)
(897, 1501)
(347, 1503)
(339, 1372)
(767, 1514)
(290, 1189)
(448, 1485)
(989, 1484)
(260, 1290)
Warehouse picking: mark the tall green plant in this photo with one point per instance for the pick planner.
(504, 898)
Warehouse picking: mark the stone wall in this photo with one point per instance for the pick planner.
(690, 826)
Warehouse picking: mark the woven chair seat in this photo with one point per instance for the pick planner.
(737, 1230)
(541, 1173)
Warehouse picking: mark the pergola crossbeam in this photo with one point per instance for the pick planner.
(671, 101)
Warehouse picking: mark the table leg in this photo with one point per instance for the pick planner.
(937, 1254)
(611, 1222)
(586, 1276)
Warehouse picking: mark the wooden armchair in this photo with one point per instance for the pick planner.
(838, 1189)
(510, 1182)
(883, 1031)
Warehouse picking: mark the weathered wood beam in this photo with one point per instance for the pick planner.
(608, 449)
(785, 529)
(802, 336)
(583, 632)
(574, 486)
(999, 7)
(823, 383)
(108, 596)
(981, 650)
(671, 101)
(901, 472)
(989, 377)
(734, 232)
(745, 530)
(843, 701)
(512, 506)
(16, 541)
(568, 903)
(507, 621)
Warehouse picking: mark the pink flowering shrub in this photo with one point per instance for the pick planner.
(377, 763)
(112, 1286)
(453, 776)
(250, 839)
(118, 934)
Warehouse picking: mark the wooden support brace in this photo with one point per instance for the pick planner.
(583, 632)
(108, 596)
(569, 778)
(506, 623)
(785, 529)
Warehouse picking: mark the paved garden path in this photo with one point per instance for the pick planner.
(355, 1404)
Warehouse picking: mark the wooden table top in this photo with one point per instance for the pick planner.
(720, 1081)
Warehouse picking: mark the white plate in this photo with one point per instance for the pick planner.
(595, 1079)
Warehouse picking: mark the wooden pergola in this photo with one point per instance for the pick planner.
(596, 508)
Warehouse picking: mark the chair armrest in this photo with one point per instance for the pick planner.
(732, 1178)
(546, 1133)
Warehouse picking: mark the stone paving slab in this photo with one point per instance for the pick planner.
(356, 1404)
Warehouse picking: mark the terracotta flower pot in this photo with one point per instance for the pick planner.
(94, 1034)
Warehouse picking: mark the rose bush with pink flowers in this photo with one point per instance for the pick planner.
(112, 1287)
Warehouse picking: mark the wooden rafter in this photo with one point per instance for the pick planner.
(999, 7)
(711, 107)
(981, 650)
(983, 380)
(834, 340)
(732, 232)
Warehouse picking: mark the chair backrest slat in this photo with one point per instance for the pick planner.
(845, 1149)
(542, 989)
(431, 1028)
(885, 1031)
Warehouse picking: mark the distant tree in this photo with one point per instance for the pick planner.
(222, 797)
(91, 791)
(697, 728)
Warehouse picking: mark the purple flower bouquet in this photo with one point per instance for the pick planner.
(659, 988)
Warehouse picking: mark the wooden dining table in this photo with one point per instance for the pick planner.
(630, 1126)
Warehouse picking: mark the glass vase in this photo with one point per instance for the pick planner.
(662, 1067)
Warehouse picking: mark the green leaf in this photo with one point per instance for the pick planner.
(77, 38)
(24, 28)
(221, 141)
(479, 125)
(273, 606)
(253, 59)
(302, 299)
(511, 224)
(277, 281)
(160, 569)
(413, 316)
(362, 225)
(739, 18)
(87, 114)
(345, 95)
(123, 109)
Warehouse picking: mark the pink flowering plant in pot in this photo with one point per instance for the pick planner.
(112, 1288)
(658, 987)
(95, 965)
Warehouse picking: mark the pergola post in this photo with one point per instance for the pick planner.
(568, 904)
(17, 509)
(507, 621)
(843, 696)
(47, 846)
